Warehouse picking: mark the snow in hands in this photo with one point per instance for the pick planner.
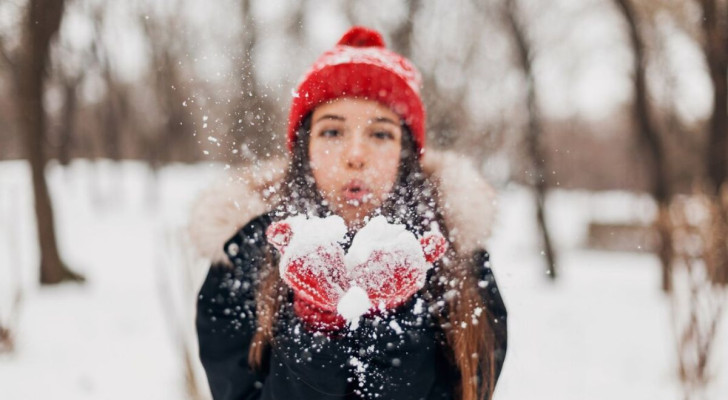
(353, 304)
(385, 265)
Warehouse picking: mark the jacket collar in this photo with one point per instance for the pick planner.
(467, 201)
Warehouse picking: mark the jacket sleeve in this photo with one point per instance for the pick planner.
(497, 309)
(225, 320)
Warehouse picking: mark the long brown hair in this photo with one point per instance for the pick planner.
(464, 319)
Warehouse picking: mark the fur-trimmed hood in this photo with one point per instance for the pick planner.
(468, 202)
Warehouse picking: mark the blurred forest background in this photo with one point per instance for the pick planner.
(591, 95)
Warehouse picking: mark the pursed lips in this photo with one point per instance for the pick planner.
(356, 190)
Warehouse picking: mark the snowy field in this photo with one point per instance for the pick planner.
(602, 331)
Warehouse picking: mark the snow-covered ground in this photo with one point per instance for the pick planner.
(601, 331)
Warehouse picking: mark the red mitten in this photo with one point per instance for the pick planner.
(396, 263)
(434, 246)
(389, 277)
(318, 277)
(317, 318)
(312, 264)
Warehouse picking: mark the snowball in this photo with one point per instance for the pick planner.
(378, 234)
(311, 233)
(353, 304)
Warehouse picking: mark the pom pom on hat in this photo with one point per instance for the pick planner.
(360, 36)
(361, 66)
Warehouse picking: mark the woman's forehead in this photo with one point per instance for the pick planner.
(354, 108)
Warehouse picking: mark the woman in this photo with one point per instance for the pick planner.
(356, 136)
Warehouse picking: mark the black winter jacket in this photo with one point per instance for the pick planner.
(397, 356)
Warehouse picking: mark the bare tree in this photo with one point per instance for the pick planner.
(402, 35)
(534, 131)
(448, 117)
(68, 118)
(697, 304)
(114, 109)
(650, 139)
(174, 139)
(711, 30)
(40, 26)
(253, 111)
(715, 32)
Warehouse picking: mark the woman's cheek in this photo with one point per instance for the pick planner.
(322, 163)
(386, 174)
(324, 179)
(325, 174)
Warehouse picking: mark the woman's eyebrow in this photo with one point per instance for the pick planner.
(331, 116)
(385, 120)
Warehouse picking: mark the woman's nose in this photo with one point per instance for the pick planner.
(356, 153)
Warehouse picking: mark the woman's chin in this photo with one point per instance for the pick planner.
(354, 213)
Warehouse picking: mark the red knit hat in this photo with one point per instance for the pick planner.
(360, 66)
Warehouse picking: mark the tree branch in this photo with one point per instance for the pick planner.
(8, 58)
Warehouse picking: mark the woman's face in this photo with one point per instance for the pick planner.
(354, 152)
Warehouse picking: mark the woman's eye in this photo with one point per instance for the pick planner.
(382, 135)
(329, 133)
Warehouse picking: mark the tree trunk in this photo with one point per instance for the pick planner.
(715, 29)
(665, 251)
(533, 135)
(648, 135)
(68, 125)
(41, 24)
